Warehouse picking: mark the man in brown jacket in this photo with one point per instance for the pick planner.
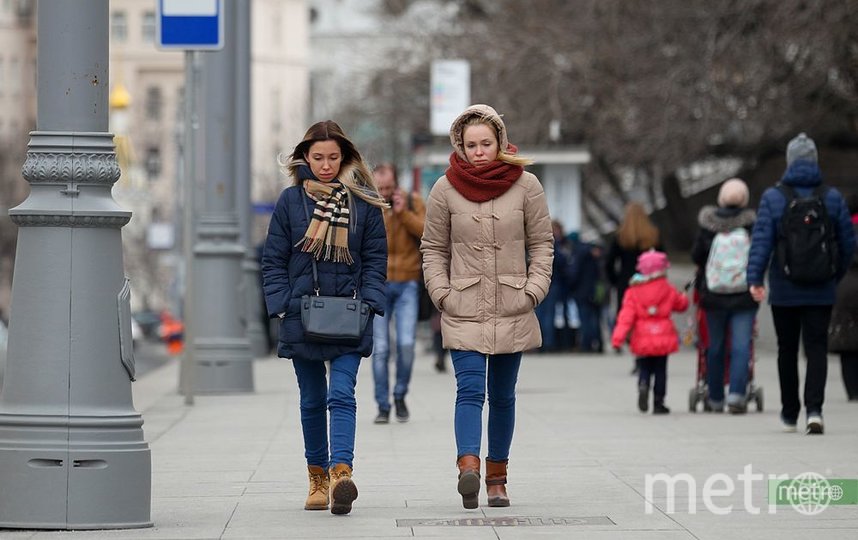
(404, 224)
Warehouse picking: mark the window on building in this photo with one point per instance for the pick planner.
(149, 27)
(154, 103)
(153, 163)
(119, 26)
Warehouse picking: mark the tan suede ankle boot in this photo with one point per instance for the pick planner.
(343, 489)
(469, 480)
(496, 483)
(317, 499)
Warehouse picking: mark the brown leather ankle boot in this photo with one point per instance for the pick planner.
(343, 489)
(469, 480)
(496, 483)
(317, 499)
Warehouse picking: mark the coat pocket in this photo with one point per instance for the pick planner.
(464, 300)
(512, 300)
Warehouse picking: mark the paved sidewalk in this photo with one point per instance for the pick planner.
(232, 466)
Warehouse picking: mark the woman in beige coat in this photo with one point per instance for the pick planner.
(487, 253)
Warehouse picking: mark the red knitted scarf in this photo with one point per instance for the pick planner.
(481, 184)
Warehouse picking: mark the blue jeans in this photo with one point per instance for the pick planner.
(402, 307)
(470, 368)
(738, 326)
(317, 397)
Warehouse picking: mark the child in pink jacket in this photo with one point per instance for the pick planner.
(647, 306)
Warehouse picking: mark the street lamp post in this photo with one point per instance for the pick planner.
(72, 453)
(256, 331)
(222, 353)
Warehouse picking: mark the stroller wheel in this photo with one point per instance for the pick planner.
(692, 400)
(758, 399)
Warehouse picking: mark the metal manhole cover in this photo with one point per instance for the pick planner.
(510, 521)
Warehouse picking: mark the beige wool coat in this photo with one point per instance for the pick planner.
(487, 265)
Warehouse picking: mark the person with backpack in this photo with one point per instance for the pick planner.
(720, 252)
(803, 235)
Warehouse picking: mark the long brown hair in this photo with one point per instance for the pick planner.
(636, 230)
(354, 173)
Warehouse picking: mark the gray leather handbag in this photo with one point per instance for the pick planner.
(332, 319)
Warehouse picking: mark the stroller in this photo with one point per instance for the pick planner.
(700, 392)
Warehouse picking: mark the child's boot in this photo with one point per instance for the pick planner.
(643, 397)
(658, 406)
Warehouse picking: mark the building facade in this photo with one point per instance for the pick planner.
(147, 91)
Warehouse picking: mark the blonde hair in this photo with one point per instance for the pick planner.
(354, 173)
(512, 159)
(637, 231)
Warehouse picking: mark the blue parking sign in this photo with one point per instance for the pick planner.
(190, 24)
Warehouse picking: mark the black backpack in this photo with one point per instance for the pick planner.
(807, 246)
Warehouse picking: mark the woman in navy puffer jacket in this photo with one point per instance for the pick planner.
(346, 236)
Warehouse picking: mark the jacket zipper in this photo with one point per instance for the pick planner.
(494, 252)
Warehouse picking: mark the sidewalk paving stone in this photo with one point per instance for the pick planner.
(232, 466)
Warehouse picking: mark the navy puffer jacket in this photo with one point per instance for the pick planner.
(804, 177)
(287, 272)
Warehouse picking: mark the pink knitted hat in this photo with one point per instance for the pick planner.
(652, 261)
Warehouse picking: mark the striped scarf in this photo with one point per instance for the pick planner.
(327, 236)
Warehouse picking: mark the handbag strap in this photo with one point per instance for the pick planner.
(316, 287)
(312, 259)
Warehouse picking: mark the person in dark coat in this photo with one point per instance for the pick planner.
(345, 235)
(728, 314)
(843, 330)
(546, 312)
(582, 275)
(800, 311)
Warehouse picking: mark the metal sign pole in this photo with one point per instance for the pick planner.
(192, 123)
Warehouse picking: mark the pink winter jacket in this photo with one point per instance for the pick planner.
(646, 313)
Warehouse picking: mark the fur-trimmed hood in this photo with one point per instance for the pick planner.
(718, 220)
